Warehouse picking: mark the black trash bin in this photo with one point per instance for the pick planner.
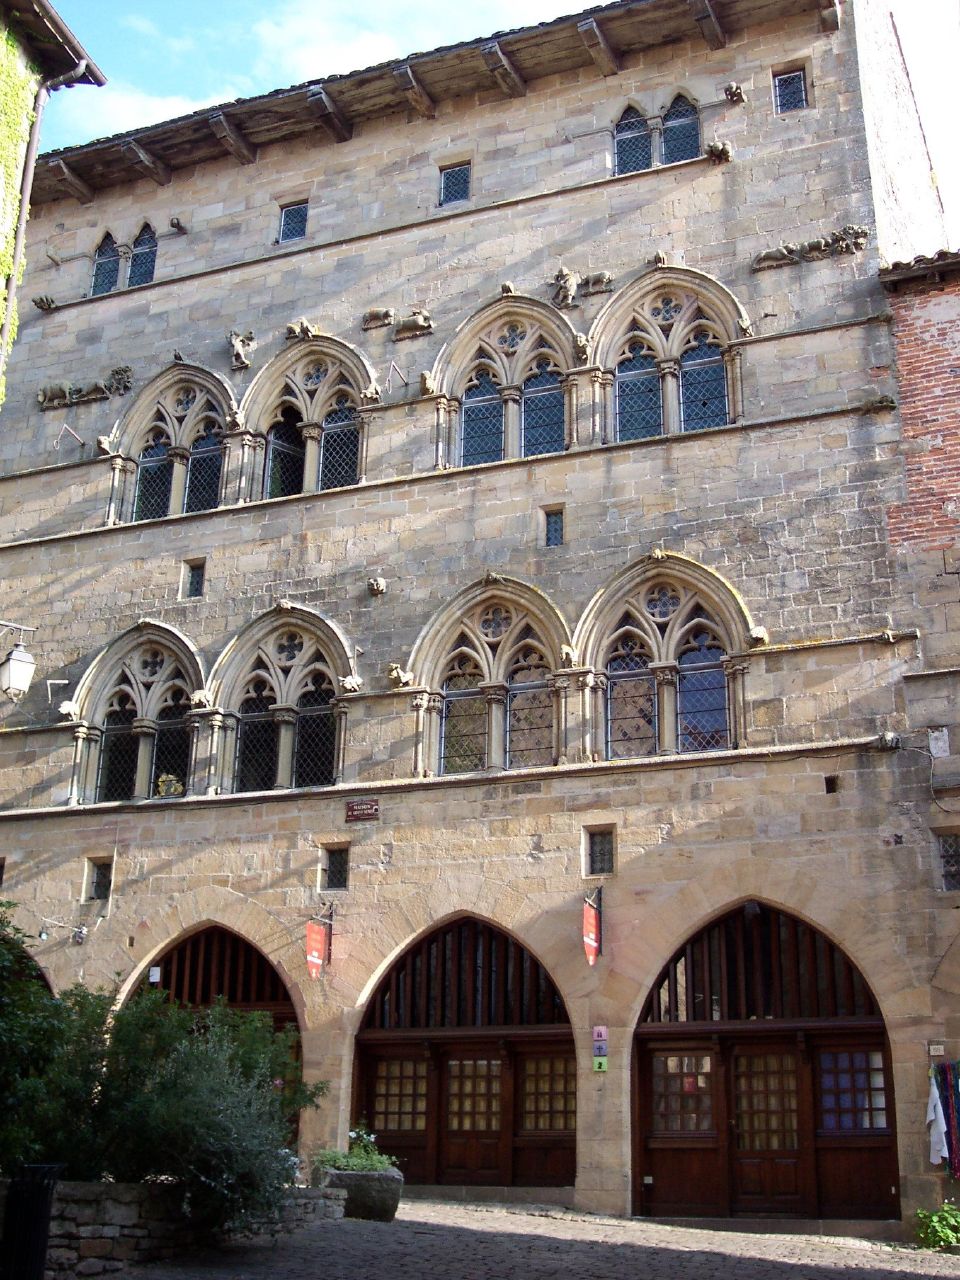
(26, 1223)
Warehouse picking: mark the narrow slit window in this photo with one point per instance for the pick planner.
(194, 572)
(99, 880)
(600, 852)
(337, 870)
(553, 521)
(455, 184)
(293, 222)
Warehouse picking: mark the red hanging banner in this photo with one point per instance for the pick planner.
(319, 933)
(592, 928)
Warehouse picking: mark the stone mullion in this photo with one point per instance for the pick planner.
(670, 388)
(603, 407)
(286, 720)
(432, 730)
(733, 369)
(419, 705)
(512, 434)
(180, 461)
(572, 400)
(204, 726)
(365, 417)
(238, 443)
(665, 675)
(736, 701)
(85, 742)
(495, 697)
(578, 711)
(446, 417)
(145, 731)
(223, 756)
(340, 710)
(560, 686)
(117, 505)
(312, 434)
(655, 125)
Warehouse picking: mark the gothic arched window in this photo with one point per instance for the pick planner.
(681, 131)
(106, 266)
(154, 477)
(631, 694)
(703, 384)
(481, 438)
(529, 721)
(632, 143)
(204, 468)
(257, 739)
(286, 454)
(463, 740)
(315, 746)
(639, 405)
(143, 260)
(542, 411)
(340, 445)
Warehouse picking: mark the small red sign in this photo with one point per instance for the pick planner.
(362, 810)
(318, 946)
(591, 932)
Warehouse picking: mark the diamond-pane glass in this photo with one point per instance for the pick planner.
(143, 262)
(455, 184)
(681, 131)
(703, 387)
(315, 749)
(790, 91)
(542, 413)
(950, 861)
(203, 472)
(529, 726)
(631, 716)
(257, 752)
(285, 457)
(702, 697)
(171, 759)
(639, 401)
(548, 1093)
(340, 447)
(400, 1096)
(337, 871)
(632, 141)
(293, 222)
(154, 478)
(852, 1091)
(482, 423)
(682, 1093)
(600, 853)
(464, 745)
(554, 528)
(119, 748)
(106, 267)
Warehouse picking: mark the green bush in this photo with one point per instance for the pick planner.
(361, 1157)
(148, 1091)
(939, 1229)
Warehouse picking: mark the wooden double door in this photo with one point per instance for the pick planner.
(757, 1124)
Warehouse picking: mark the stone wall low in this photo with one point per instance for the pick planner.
(99, 1227)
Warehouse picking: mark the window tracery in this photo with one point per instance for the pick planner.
(641, 142)
(180, 463)
(314, 442)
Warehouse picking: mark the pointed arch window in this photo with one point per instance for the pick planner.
(143, 260)
(117, 775)
(257, 740)
(106, 266)
(681, 131)
(286, 455)
(316, 736)
(703, 384)
(639, 399)
(542, 411)
(481, 420)
(154, 477)
(529, 721)
(702, 720)
(633, 144)
(463, 741)
(171, 749)
(203, 469)
(631, 694)
(340, 445)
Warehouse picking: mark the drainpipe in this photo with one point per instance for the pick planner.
(44, 90)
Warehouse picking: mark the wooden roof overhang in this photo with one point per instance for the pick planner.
(49, 42)
(328, 108)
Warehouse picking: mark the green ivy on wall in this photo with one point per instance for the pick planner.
(17, 87)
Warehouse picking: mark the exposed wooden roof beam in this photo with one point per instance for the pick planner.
(231, 139)
(706, 19)
(329, 115)
(829, 15)
(414, 92)
(598, 47)
(147, 166)
(502, 69)
(72, 181)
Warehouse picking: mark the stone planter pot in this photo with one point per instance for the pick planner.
(374, 1194)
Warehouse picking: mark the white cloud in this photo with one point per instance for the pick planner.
(83, 114)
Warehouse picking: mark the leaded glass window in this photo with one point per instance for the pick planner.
(639, 399)
(143, 261)
(481, 421)
(293, 222)
(632, 142)
(455, 184)
(203, 470)
(681, 131)
(119, 749)
(789, 91)
(285, 458)
(154, 478)
(340, 446)
(315, 748)
(463, 745)
(542, 412)
(258, 740)
(703, 385)
(631, 697)
(529, 711)
(702, 694)
(171, 747)
(106, 266)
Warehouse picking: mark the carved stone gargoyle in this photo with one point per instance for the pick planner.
(416, 323)
(849, 239)
(301, 330)
(64, 394)
(719, 152)
(241, 344)
(398, 677)
(44, 302)
(378, 318)
(351, 684)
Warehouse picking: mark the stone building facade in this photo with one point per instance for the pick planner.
(476, 496)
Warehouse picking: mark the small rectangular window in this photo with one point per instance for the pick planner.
(599, 852)
(950, 861)
(789, 91)
(192, 579)
(553, 528)
(336, 869)
(99, 879)
(455, 184)
(293, 222)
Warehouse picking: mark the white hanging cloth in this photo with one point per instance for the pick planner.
(938, 1127)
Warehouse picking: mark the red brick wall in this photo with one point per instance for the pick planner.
(927, 338)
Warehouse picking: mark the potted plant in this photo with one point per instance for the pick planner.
(372, 1181)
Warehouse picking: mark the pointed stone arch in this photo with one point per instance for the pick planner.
(95, 683)
(267, 390)
(143, 412)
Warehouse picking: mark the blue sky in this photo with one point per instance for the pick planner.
(167, 59)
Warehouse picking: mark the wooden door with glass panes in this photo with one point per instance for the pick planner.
(770, 1126)
(544, 1145)
(683, 1118)
(395, 1108)
(471, 1119)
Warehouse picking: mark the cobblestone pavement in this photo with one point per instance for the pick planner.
(434, 1241)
